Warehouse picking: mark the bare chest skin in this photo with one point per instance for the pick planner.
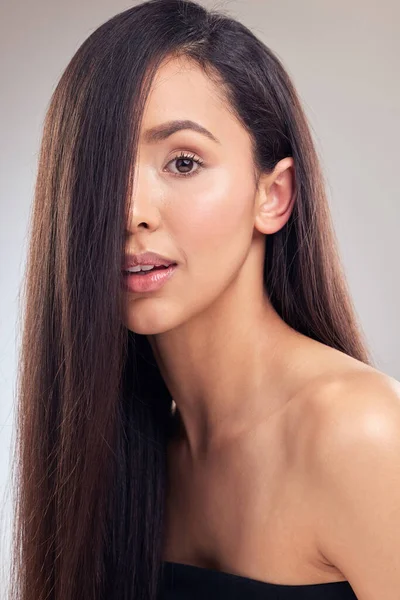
(246, 509)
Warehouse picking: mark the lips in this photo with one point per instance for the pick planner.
(147, 281)
(144, 272)
(146, 258)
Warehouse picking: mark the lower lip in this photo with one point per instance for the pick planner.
(148, 282)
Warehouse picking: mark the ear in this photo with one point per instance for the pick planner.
(275, 197)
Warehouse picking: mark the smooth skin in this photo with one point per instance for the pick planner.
(285, 466)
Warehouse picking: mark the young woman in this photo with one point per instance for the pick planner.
(213, 427)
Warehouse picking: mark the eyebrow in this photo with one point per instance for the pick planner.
(161, 132)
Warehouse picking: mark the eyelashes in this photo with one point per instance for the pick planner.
(187, 156)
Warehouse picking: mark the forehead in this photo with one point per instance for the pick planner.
(182, 90)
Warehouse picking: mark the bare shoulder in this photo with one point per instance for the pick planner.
(350, 404)
(348, 448)
(347, 400)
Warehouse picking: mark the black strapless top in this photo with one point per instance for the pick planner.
(188, 582)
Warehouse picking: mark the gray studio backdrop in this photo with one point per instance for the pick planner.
(343, 57)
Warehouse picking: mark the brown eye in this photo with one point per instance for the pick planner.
(184, 164)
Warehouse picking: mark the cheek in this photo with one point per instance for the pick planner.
(211, 226)
(216, 210)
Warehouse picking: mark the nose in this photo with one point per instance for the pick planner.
(142, 211)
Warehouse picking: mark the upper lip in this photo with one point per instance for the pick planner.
(146, 258)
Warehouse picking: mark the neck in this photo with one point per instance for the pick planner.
(226, 368)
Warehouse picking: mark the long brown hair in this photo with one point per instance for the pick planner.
(93, 409)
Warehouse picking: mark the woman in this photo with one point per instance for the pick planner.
(215, 427)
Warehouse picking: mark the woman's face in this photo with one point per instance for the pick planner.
(202, 220)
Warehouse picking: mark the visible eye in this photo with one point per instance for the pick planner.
(184, 160)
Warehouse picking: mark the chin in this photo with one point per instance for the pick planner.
(149, 330)
(150, 324)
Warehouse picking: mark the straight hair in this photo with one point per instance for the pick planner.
(93, 411)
